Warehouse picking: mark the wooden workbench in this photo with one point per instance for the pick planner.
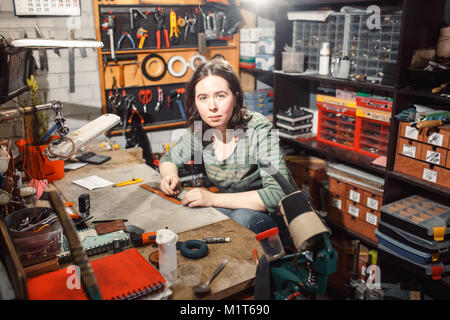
(239, 273)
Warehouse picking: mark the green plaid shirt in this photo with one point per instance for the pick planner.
(239, 172)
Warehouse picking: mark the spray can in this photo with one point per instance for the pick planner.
(324, 60)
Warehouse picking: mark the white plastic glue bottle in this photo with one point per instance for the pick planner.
(167, 247)
(324, 59)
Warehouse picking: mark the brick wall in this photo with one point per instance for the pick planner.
(54, 84)
(84, 104)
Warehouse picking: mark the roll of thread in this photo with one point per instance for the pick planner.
(167, 250)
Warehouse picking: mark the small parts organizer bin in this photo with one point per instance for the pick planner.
(373, 116)
(360, 125)
(337, 121)
(355, 199)
(416, 230)
(348, 35)
(424, 154)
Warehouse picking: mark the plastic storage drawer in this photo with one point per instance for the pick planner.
(420, 216)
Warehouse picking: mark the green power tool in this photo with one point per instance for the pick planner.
(303, 274)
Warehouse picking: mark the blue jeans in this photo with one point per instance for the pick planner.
(253, 220)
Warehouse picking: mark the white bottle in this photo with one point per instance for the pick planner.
(167, 240)
(324, 60)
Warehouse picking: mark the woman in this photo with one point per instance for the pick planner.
(229, 140)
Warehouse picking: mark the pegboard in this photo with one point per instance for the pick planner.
(127, 71)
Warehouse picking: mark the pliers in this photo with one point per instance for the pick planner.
(126, 34)
(161, 25)
(134, 111)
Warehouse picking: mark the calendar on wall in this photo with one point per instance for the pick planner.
(47, 7)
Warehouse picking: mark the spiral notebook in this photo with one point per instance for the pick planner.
(125, 275)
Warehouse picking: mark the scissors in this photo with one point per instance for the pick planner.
(145, 96)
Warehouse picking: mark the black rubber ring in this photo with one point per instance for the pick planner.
(194, 249)
(144, 70)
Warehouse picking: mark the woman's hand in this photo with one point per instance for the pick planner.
(169, 185)
(198, 198)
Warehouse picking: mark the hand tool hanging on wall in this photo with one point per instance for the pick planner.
(43, 61)
(173, 37)
(191, 20)
(176, 94)
(141, 34)
(133, 15)
(115, 98)
(109, 25)
(145, 96)
(160, 99)
(117, 59)
(210, 25)
(126, 34)
(161, 26)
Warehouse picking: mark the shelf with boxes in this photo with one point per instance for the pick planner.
(423, 154)
(374, 128)
(156, 47)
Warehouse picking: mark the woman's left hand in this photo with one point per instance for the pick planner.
(198, 198)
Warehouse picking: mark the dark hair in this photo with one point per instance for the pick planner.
(223, 69)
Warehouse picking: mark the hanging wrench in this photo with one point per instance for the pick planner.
(160, 99)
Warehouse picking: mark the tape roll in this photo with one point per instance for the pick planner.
(184, 67)
(194, 58)
(144, 67)
(194, 249)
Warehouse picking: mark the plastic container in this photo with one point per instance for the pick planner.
(167, 240)
(34, 246)
(293, 61)
(271, 244)
(417, 215)
(190, 274)
(37, 165)
(324, 59)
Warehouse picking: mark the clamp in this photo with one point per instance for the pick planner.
(126, 34)
(109, 25)
(160, 25)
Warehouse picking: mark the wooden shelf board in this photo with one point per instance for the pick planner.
(424, 94)
(336, 81)
(364, 240)
(152, 50)
(332, 152)
(420, 183)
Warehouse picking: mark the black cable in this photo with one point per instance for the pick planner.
(144, 70)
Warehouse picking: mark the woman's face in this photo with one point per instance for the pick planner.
(214, 101)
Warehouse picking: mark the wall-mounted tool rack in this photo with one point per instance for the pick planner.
(132, 65)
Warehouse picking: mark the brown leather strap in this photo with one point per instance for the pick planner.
(173, 199)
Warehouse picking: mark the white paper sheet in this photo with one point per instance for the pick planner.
(93, 182)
